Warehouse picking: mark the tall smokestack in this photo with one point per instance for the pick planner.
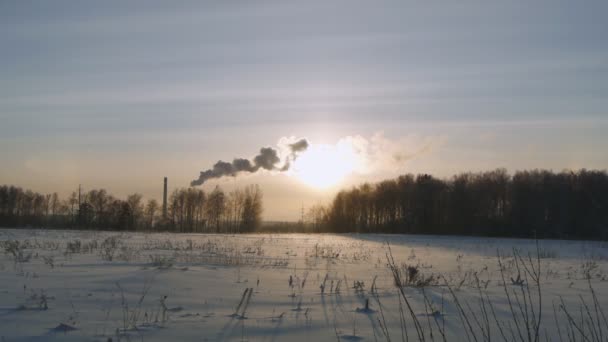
(165, 199)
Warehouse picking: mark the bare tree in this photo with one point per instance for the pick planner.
(252, 208)
(150, 213)
(215, 206)
(137, 209)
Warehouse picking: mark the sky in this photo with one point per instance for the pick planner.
(119, 94)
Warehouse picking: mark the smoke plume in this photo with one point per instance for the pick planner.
(299, 146)
(267, 159)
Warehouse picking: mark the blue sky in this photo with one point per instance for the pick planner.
(118, 94)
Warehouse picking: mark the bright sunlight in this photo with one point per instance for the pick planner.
(323, 166)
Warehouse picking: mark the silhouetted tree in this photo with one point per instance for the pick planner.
(150, 212)
(137, 210)
(252, 209)
(215, 206)
(531, 203)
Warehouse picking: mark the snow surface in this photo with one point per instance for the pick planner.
(187, 287)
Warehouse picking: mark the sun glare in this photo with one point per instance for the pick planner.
(323, 166)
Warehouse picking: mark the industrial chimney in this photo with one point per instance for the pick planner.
(165, 200)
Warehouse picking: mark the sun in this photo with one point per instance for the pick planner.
(323, 166)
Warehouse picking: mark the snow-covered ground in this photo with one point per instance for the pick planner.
(97, 286)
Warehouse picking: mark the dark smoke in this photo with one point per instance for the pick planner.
(298, 146)
(267, 159)
(240, 164)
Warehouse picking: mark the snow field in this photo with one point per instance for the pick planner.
(97, 286)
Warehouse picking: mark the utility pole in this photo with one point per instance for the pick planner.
(165, 199)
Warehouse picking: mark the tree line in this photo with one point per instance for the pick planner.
(535, 203)
(530, 203)
(188, 210)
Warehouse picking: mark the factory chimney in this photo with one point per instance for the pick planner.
(165, 200)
